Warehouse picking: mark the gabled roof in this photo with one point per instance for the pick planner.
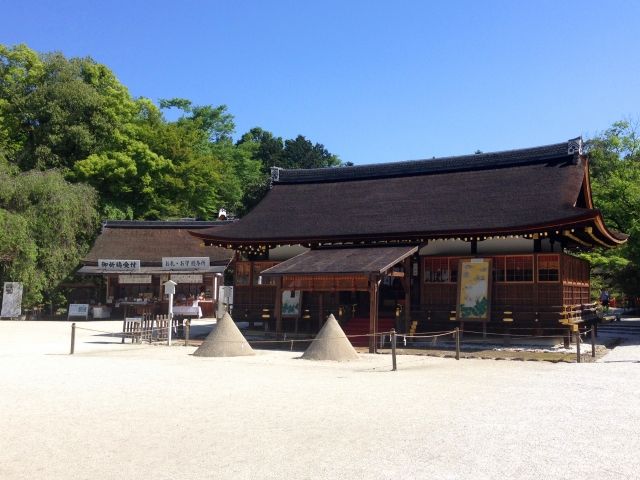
(357, 261)
(534, 191)
(149, 241)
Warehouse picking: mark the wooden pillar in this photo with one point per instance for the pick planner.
(474, 247)
(537, 245)
(278, 306)
(374, 283)
(406, 284)
(251, 287)
(320, 309)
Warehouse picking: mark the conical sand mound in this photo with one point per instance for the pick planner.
(225, 340)
(331, 344)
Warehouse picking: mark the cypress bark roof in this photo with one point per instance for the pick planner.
(516, 191)
(150, 241)
(325, 261)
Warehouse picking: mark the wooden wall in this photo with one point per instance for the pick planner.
(534, 287)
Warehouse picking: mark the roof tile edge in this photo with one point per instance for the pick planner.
(503, 158)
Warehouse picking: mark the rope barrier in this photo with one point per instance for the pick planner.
(104, 331)
(445, 334)
(511, 335)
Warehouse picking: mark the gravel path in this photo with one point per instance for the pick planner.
(116, 411)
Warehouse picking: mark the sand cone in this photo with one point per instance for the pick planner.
(331, 344)
(225, 340)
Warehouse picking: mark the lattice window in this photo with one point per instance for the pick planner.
(519, 269)
(498, 269)
(548, 268)
(436, 270)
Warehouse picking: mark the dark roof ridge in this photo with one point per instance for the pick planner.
(190, 224)
(478, 161)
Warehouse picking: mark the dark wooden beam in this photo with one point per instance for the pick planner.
(407, 293)
(374, 282)
(278, 306)
(537, 245)
(320, 309)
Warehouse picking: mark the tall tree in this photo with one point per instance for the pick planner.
(272, 151)
(615, 178)
(46, 226)
(301, 153)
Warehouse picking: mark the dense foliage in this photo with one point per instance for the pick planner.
(615, 180)
(76, 146)
(46, 225)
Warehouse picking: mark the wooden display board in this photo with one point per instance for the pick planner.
(474, 290)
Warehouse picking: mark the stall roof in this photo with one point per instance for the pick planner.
(334, 261)
(150, 241)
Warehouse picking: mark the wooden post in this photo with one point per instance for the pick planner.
(507, 337)
(187, 332)
(320, 309)
(593, 340)
(124, 324)
(393, 349)
(457, 343)
(73, 338)
(278, 306)
(406, 284)
(373, 313)
(577, 345)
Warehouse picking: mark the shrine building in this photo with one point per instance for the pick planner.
(470, 240)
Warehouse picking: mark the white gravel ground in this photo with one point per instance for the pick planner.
(125, 412)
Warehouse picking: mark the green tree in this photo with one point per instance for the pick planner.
(55, 111)
(46, 226)
(301, 153)
(272, 151)
(615, 179)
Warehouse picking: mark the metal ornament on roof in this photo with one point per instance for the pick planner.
(575, 146)
(275, 175)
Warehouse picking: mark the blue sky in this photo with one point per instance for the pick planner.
(373, 81)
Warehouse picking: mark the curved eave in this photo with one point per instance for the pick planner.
(586, 230)
(587, 183)
(610, 237)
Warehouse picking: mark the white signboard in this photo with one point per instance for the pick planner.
(291, 303)
(225, 300)
(187, 278)
(134, 278)
(78, 310)
(11, 300)
(185, 263)
(116, 265)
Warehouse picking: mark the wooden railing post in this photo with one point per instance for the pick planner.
(457, 343)
(393, 349)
